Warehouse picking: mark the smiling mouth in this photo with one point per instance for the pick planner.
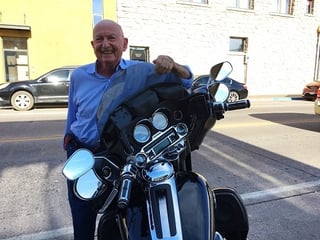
(109, 51)
(106, 53)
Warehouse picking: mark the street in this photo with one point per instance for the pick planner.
(268, 153)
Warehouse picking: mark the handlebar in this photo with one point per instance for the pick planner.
(127, 176)
(219, 108)
(237, 105)
(125, 191)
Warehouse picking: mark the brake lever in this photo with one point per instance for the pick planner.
(110, 198)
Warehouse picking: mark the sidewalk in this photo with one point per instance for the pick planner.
(275, 97)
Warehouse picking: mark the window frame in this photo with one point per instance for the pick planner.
(204, 2)
(238, 3)
(244, 44)
(310, 7)
(284, 7)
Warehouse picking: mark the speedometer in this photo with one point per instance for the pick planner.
(141, 133)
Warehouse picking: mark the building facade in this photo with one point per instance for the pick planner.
(273, 45)
(37, 36)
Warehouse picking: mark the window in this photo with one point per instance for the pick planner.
(97, 11)
(245, 4)
(237, 44)
(310, 6)
(15, 58)
(202, 80)
(139, 53)
(283, 6)
(196, 1)
(58, 76)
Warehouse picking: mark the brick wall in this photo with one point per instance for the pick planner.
(281, 48)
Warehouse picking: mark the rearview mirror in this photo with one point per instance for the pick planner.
(220, 71)
(222, 93)
(79, 163)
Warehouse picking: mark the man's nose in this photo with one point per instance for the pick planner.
(105, 42)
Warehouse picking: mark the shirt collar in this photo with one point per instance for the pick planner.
(93, 66)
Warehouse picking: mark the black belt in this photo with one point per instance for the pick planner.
(71, 139)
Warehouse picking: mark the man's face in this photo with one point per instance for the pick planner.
(108, 43)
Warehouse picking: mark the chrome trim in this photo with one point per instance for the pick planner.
(173, 136)
(157, 171)
(168, 207)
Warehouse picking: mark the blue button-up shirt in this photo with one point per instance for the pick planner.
(88, 90)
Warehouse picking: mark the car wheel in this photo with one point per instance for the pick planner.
(22, 101)
(233, 96)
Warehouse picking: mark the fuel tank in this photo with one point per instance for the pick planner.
(196, 207)
(196, 204)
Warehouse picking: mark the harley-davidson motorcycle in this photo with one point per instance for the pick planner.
(142, 181)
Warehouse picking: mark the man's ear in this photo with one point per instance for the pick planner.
(125, 44)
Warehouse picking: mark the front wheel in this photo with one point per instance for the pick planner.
(22, 101)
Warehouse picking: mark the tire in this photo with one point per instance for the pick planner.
(233, 96)
(22, 101)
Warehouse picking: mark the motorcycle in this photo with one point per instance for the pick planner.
(142, 180)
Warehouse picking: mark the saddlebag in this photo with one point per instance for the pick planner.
(230, 214)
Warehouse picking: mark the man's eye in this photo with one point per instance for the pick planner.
(112, 38)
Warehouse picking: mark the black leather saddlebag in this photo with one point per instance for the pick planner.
(230, 214)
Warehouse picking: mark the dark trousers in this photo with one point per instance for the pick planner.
(83, 212)
(83, 216)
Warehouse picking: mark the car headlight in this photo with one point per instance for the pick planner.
(4, 85)
(141, 133)
(159, 121)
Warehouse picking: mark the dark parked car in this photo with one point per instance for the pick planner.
(49, 88)
(309, 91)
(237, 89)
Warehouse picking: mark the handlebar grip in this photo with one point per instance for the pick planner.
(125, 191)
(237, 105)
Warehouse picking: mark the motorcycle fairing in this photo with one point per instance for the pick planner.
(117, 134)
(195, 112)
(127, 83)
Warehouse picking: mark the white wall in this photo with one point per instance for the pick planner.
(281, 48)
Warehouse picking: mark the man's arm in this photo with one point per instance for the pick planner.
(165, 64)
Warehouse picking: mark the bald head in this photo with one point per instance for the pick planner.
(108, 43)
(107, 24)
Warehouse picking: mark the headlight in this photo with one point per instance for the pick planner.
(159, 121)
(141, 133)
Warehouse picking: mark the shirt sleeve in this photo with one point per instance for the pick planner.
(71, 114)
(187, 82)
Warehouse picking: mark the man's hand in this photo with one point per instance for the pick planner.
(165, 64)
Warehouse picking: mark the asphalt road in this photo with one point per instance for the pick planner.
(268, 153)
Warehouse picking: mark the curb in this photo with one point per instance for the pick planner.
(275, 98)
